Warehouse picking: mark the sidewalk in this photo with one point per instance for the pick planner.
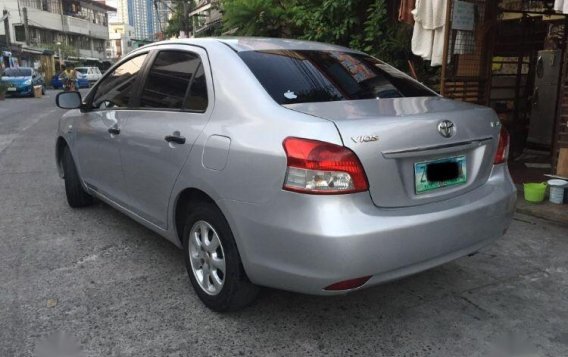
(545, 210)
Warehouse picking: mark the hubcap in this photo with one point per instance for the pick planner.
(207, 257)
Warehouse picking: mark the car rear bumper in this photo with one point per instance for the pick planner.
(305, 243)
(21, 90)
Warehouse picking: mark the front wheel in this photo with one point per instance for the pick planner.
(213, 262)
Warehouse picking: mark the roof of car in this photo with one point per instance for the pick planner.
(242, 44)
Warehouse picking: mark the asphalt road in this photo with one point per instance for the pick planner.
(116, 289)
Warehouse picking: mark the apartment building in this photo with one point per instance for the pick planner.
(205, 17)
(80, 26)
(121, 37)
(148, 17)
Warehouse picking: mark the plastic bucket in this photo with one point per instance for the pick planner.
(534, 192)
(557, 188)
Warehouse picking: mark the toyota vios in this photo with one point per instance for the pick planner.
(293, 165)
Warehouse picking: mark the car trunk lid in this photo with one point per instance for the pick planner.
(392, 136)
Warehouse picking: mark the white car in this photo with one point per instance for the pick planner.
(93, 73)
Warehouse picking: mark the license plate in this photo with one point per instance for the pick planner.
(11, 89)
(433, 175)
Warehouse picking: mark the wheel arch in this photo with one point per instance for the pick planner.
(60, 145)
(184, 201)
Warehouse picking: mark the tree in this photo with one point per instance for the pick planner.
(359, 24)
(259, 17)
(180, 20)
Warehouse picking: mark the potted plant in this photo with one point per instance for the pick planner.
(3, 89)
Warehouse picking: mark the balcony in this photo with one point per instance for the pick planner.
(86, 17)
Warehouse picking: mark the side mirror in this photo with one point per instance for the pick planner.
(68, 100)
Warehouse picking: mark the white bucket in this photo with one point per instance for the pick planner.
(557, 188)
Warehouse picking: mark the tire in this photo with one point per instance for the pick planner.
(236, 291)
(76, 195)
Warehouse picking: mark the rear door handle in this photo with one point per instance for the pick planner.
(114, 131)
(175, 138)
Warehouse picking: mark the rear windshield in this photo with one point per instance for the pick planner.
(82, 70)
(17, 72)
(302, 76)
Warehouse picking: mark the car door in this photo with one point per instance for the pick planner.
(174, 105)
(98, 132)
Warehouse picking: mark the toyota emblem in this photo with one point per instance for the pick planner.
(446, 128)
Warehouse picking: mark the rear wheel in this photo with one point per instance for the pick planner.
(213, 262)
(76, 195)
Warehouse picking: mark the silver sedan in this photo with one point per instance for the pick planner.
(287, 164)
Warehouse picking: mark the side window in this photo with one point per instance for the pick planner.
(168, 80)
(197, 98)
(116, 89)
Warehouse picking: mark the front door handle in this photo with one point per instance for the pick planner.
(114, 130)
(175, 138)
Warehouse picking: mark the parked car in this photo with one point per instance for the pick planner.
(57, 81)
(293, 165)
(93, 74)
(21, 80)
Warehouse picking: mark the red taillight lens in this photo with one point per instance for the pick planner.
(502, 153)
(348, 284)
(318, 167)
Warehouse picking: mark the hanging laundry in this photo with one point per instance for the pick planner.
(429, 30)
(561, 5)
(405, 11)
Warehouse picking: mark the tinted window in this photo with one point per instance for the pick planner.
(115, 90)
(17, 72)
(169, 79)
(81, 70)
(322, 76)
(197, 98)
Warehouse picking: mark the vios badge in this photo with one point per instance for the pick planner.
(446, 128)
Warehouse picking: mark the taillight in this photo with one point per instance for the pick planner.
(317, 167)
(502, 153)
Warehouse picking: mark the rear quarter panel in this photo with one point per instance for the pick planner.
(256, 126)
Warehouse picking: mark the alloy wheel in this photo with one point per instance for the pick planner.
(207, 257)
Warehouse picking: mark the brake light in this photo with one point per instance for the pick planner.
(502, 153)
(317, 167)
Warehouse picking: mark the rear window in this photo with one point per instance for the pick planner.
(82, 70)
(300, 76)
(17, 72)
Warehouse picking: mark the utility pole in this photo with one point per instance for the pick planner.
(26, 25)
(6, 28)
(184, 19)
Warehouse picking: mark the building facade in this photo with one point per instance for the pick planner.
(205, 17)
(148, 17)
(79, 26)
(120, 40)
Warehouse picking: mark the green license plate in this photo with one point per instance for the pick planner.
(433, 175)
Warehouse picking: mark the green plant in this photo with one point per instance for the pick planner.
(179, 21)
(259, 17)
(359, 24)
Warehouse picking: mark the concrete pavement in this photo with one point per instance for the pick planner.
(117, 289)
